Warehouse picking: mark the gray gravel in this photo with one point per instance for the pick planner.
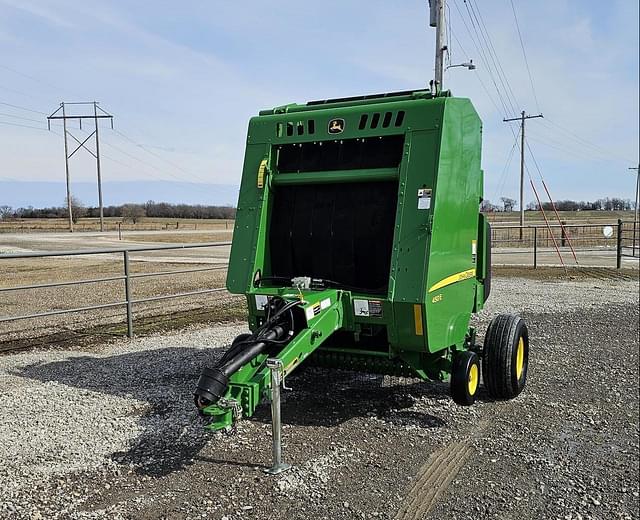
(111, 432)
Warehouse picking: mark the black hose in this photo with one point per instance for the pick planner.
(214, 382)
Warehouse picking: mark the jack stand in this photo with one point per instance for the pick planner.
(275, 365)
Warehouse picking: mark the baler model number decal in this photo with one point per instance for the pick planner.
(458, 277)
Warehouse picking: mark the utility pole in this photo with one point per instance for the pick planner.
(95, 119)
(81, 144)
(522, 119)
(66, 168)
(635, 218)
(436, 19)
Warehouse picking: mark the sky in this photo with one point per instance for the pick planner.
(183, 78)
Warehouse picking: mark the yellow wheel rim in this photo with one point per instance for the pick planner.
(472, 383)
(520, 358)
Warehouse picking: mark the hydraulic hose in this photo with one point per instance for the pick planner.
(213, 382)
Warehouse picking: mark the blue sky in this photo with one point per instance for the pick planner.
(182, 79)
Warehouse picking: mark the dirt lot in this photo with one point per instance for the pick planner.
(107, 430)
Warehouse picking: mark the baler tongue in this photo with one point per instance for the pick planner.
(294, 327)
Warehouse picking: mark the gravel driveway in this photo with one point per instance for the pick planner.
(110, 432)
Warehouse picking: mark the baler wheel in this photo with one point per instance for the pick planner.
(505, 356)
(465, 377)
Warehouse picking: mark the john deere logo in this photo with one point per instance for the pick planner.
(336, 126)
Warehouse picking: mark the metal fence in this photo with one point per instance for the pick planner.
(622, 237)
(127, 276)
(628, 243)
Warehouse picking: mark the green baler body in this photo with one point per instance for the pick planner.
(380, 194)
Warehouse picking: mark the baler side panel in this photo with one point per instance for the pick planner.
(248, 230)
(451, 278)
(412, 235)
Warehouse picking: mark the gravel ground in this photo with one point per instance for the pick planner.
(109, 431)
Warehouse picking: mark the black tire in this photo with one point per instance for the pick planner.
(505, 359)
(465, 377)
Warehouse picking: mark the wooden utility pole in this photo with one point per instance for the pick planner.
(437, 20)
(522, 119)
(635, 218)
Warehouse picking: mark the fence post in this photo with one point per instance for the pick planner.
(563, 233)
(535, 247)
(127, 295)
(619, 246)
(119, 230)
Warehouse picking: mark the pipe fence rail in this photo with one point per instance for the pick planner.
(127, 276)
(622, 237)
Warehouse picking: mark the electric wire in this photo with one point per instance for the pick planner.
(478, 76)
(583, 154)
(503, 176)
(22, 108)
(21, 118)
(484, 44)
(584, 142)
(505, 111)
(524, 54)
(492, 52)
(23, 126)
(157, 156)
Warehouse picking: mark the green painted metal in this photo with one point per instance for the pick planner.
(251, 383)
(439, 256)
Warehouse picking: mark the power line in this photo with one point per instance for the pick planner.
(477, 75)
(32, 78)
(22, 108)
(586, 143)
(178, 167)
(579, 154)
(475, 12)
(20, 117)
(503, 176)
(23, 126)
(526, 61)
(493, 49)
(481, 54)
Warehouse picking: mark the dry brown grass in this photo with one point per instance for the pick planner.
(54, 270)
(180, 238)
(112, 223)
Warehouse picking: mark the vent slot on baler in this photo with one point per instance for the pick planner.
(343, 154)
(340, 232)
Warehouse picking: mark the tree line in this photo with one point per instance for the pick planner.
(133, 212)
(606, 204)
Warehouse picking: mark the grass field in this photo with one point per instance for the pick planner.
(177, 224)
(112, 224)
(571, 217)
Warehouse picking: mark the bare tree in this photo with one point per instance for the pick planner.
(78, 209)
(507, 203)
(486, 206)
(6, 212)
(133, 212)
